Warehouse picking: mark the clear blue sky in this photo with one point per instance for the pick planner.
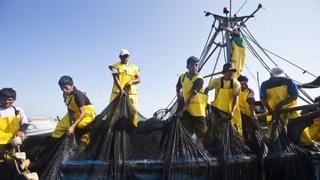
(43, 40)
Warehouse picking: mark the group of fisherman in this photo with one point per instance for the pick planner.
(232, 96)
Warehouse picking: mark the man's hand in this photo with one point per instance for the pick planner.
(122, 92)
(180, 113)
(20, 134)
(71, 130)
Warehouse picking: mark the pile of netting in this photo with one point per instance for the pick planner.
(236, 161)
(284, 159)
(162, 147)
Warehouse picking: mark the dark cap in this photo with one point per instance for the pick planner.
(192, 60)
(228, 67)
(65, 80)
(8, 93)
(243, 78)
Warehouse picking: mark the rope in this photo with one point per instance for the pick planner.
(215, 65)
(263, 63)
(212, 26)
(304, 70)
(201, 66)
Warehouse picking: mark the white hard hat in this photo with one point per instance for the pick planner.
(124, 52)
(277, 72)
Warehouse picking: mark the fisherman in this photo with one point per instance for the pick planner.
(246, 104)
(279, 92)
(125, 77)
(80, 111)
(13, 123)
(193, 101)
(227, 90)
(315, 127)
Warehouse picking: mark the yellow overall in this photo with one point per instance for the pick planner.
(243, 104)
(8, 128)
(64, 124)
(238, 55)
(276, 95)
(315, 130)
(224, 102)
(199, 104)
(127, 73)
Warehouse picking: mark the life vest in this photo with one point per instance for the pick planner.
(224, 102)
(199, 104)
(127, 72)
(65, 121)
(243, 104)
(9, 126)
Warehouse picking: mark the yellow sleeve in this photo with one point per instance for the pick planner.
(115, 66)
(214, 83)
(236, 87)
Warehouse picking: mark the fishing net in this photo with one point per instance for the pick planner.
(182, 157)
(285, 160)
(297, 125)
(65, 149)
(234, 156)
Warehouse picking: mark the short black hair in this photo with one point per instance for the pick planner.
(192, 60)
(8, 93)
(65, 80)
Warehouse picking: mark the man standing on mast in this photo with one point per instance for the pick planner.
(279, 92)
(126, 77)
(192, 100)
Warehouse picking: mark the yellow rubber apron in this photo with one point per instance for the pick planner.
(277, 94)
(224, 102)
(315, 130)
(64, 124)
(243, 104)
(8, 128)
(199, 104)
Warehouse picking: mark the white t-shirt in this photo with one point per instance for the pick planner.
(8, 112)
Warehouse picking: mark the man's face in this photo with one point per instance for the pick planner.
(7, 102)
(193, 68)
(228, 74)
(67, 89)
(244, 85)
(124, 59)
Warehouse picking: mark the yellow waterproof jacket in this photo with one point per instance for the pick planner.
(8, 127)
(224, 102)
(198, 105)
(64, 124)
(126, 73)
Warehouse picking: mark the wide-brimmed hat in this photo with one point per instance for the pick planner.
(277, 72)
(228, 67)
